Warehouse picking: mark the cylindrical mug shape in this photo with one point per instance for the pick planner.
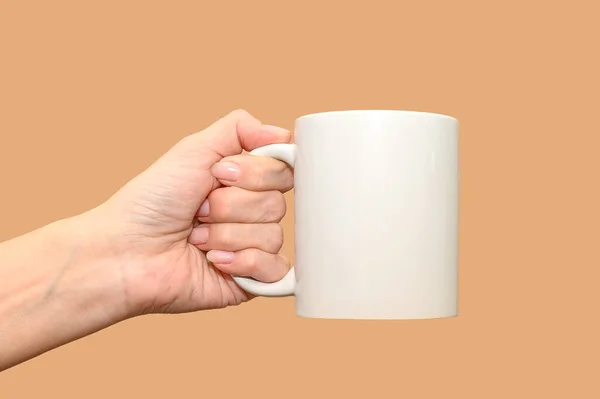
(376, 213)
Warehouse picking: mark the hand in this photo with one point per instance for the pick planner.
(204, 211)
(168, 241)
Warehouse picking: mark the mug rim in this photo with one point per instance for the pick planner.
(373, 111)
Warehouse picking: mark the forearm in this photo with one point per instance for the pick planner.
(55, 287)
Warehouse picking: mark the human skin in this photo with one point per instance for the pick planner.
(167, 241)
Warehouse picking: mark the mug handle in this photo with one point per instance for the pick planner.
(287, 285)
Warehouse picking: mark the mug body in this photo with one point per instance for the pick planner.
(376, 214)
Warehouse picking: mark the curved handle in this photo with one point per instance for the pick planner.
(286, 286)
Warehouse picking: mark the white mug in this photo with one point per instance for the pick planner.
(376, 216)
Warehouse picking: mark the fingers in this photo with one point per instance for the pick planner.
(254, 173)
(260, 265)
(230, 135)
(240, 249)
(184, 171)
(233, 237)
(240, 232)
(236, 205)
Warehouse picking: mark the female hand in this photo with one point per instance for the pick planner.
(204, 211)
(168, 241)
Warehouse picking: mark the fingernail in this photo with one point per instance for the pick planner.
(275, 130)
(204, 209)
(220, 256)
(226, 171)
(199, 235)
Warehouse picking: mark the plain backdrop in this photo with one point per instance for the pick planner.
(91, 93)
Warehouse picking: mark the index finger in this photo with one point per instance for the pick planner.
(254, 173)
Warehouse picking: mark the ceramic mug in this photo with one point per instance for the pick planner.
(376, 216)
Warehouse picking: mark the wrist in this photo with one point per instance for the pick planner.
(90, 279)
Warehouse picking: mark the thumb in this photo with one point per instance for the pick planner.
(190, 160)
(237, 131)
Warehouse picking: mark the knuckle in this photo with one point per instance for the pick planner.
(289, 179)
(238, 114)
(281, 167)
(280, 267)
(242, 118)
(284, 263)
(275, 206)
(275, 237)
(251, 261)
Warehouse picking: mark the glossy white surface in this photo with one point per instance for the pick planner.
(376, 210)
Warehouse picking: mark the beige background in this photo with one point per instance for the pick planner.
(92, 92)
